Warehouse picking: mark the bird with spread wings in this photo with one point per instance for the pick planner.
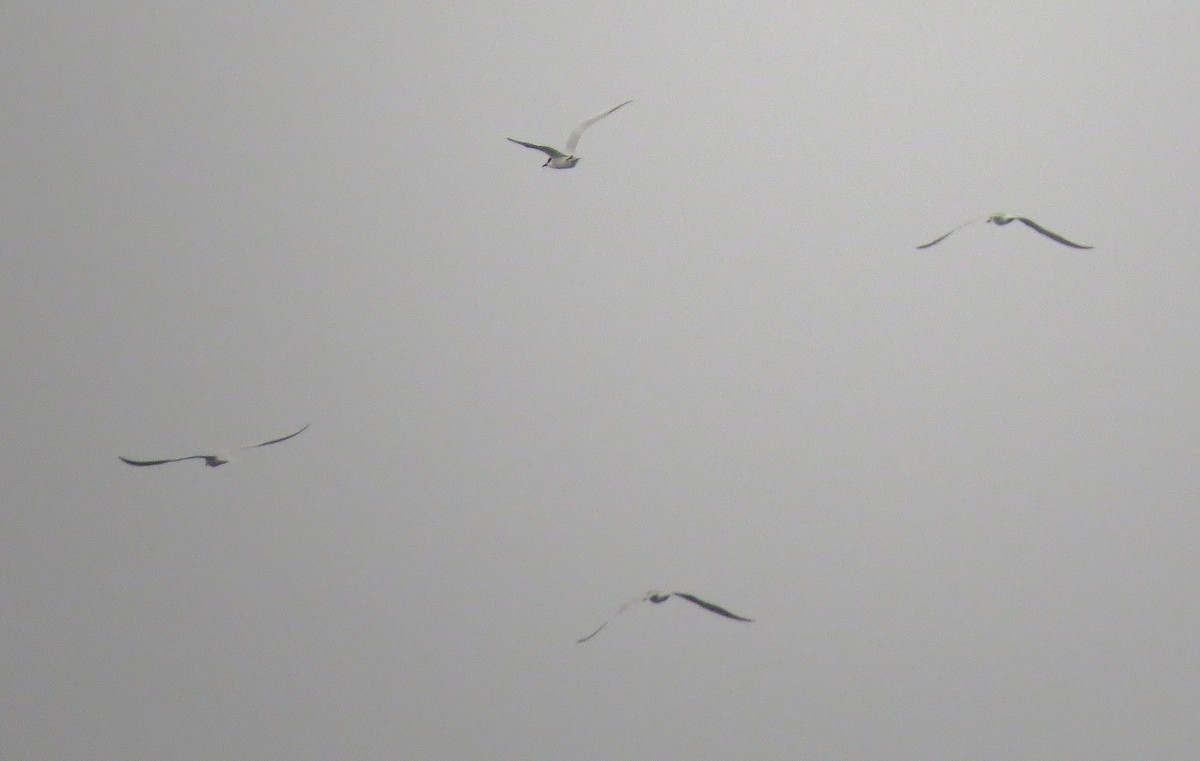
(211, 460)
(558, 159)
(658, 597)
(1003, 219)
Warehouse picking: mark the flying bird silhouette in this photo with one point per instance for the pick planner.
(559, 160)
(657, 597)
(1003, 219)
(211, 460)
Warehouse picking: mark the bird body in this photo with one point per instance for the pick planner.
(557, 159)
(660, 597)
(211, 460)
(1000, 220)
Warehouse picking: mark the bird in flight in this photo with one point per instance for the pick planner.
(657, 597)
(559, 160)
(211, 460)
(1003, 219)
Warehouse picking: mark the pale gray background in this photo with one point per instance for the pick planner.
(957, 488)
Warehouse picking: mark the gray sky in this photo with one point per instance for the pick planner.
(957, 488)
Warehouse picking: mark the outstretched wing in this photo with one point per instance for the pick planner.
(577, 133)
(282, 438)
(553, 153)
(709, 606)
(610, 618)
(127, 461)
(593, 634)
(1050, 234)
(935, 241)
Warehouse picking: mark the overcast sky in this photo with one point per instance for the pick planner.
(956, 488)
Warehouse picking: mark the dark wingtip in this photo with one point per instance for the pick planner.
(581, 640)
(712, 607)
(281, 438)
(936, 240)
(1050, 233)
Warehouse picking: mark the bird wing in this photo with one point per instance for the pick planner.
(282, 438)
(947, 235)
(593, 634)
(577, 133)
(553, 153)
(937, 240)
(160, 462)
(1050, 234)
(610, 618)
(709, 606)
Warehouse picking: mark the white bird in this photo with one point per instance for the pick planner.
(559, 160)
(1003, 219)
(657, 597)
(211, 460)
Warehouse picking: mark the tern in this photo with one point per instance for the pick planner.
(559, 160)
(1003, 219)
(211, 460)
(657, 597)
